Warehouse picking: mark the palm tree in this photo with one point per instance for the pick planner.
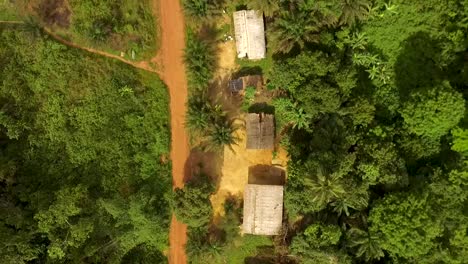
(198, 114)
(269, 7)
(301, 119)
(326, 188)
(294, 29)
(367, 244)
(356, 202)
(202, 8)
(353, 11)
(222, 134)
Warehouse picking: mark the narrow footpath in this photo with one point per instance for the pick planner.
(173, 74)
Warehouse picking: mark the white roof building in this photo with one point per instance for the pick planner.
(250, 34)
(263, 209)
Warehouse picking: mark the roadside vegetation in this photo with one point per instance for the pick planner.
(123, 28)
(370, 101)
(209, 126)
(84, 141)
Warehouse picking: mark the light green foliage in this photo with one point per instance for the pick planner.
(318, 235)
(71, 138)
(8, 11)
(192, 204)
(393, 22)
(406, 223)
(287, 113)
(433, 112)
(317, 244)
(58, 218)
(381, 164)
(127, 26)
(249, 98)
(460, 140)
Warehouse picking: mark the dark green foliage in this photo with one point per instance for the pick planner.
(209, 125)
(268, 7)
(202, 8)
(191, 204)
(294, 29)
(371, 107)
(365, 244)
(200, 62)
(82, 137)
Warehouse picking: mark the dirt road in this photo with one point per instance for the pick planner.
(173, 74)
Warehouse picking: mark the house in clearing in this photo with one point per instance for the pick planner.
(237, 86)
(260, 131)
(263, 209)
(250, 34)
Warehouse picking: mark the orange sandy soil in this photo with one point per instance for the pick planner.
(173, 73)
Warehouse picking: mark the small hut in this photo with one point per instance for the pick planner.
(237, 86)
(260, 131)
(250, 34)
(263, 209)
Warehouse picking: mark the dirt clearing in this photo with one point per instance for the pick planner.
(235, 168)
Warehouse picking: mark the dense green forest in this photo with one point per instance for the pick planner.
(371, 106)
(84, 174)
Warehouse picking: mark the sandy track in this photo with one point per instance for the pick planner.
(173, 73)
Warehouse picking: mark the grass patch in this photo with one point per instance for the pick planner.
(265, 64)
(243, 247)
(125, 28)
(8, 11)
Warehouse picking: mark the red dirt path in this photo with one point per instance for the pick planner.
(173, 74)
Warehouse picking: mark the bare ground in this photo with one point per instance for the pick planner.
(238, 161)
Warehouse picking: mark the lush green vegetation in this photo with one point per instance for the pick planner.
(113, 25)
(371, 106)
(83, 144)
(8, 11)
(222, 242)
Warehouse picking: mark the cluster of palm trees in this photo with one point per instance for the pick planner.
(295, 23)
(209, 124)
